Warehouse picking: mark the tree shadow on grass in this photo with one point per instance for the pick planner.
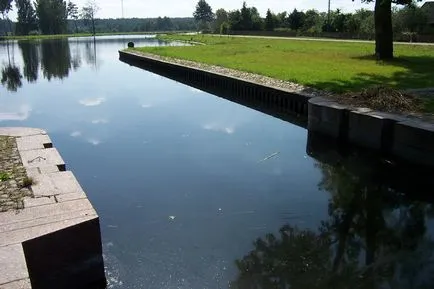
(418, 73)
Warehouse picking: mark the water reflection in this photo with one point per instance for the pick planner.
(375, 236)
(30, 55)
(11, 75)
(55, 59)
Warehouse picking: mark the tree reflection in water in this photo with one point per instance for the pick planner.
(11, 75)
(29, 51)
(374, 237)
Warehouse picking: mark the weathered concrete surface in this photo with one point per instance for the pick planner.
(327, 117)
(414, 140)
(372, 129)
(394, 135)
(54, 241)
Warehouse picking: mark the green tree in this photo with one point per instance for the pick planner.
(383, 26)
(52, 15)
(26, 17)
(5, 7)
(269, 21)
(313, 22)
(221, 16)
(246, 18)
(89, 12)
(72, 11)
(234, 19)
(203, 14)
(296, 20)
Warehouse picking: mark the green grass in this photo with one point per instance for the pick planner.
(60, 36)
(332, 66)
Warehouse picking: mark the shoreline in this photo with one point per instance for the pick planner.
(403, 137)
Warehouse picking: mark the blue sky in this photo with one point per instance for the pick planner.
(185, 8)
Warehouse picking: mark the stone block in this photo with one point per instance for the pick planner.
(70, 197)
(21, 284)
(44, 211)
(55, 184)
(21, 131)
(21, 235)
(69, 258)
(371, 129)
(12, 264)
(47, 220)
(414, 142)
(35, 202)
(33, 142)
(327, 117)
(41, 158)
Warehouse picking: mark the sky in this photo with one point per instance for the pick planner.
(185, 8)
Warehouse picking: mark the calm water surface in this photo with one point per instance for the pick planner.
(184, 188)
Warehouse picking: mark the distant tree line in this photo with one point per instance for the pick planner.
(58, 17)
(382, 23)
(409, 19)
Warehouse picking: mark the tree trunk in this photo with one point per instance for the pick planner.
(383, 29)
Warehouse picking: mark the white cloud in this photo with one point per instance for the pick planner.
(21, 114)
(92, 101)
(93, 141)
(100, 121)
(219, 128)
(75, 134)
(147, 105)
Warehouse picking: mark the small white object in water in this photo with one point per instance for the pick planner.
(269, 157)
(172, 218)
(220, 209)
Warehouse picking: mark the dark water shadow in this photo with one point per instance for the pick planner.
(418, 73)
(376, 234)
(273, 109)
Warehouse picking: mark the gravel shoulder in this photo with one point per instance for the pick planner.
(12, 176)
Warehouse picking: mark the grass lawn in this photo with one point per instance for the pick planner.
(332, 66)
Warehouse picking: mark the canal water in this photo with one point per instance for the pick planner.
(195, 191)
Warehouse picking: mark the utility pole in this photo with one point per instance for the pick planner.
(328, 18)
(122, 4)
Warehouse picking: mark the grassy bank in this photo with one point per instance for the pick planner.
(332, 66)
(60, 36)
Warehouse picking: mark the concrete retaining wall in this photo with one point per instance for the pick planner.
(390, 134)
(55, 240)
(278, 102)
(393, 135)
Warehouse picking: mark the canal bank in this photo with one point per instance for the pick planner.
(49, 231)
(397, 136)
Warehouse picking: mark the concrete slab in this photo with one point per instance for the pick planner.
(11, 217)
(70, 197)
(21, 284)
(12, 264)
(55, 184)
(34, 172)
(47, 220)
(41, 158)
(35, 202)
(21, 131)
(34, 142)
(19, 236)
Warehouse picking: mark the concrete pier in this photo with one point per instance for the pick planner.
(54, 241)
